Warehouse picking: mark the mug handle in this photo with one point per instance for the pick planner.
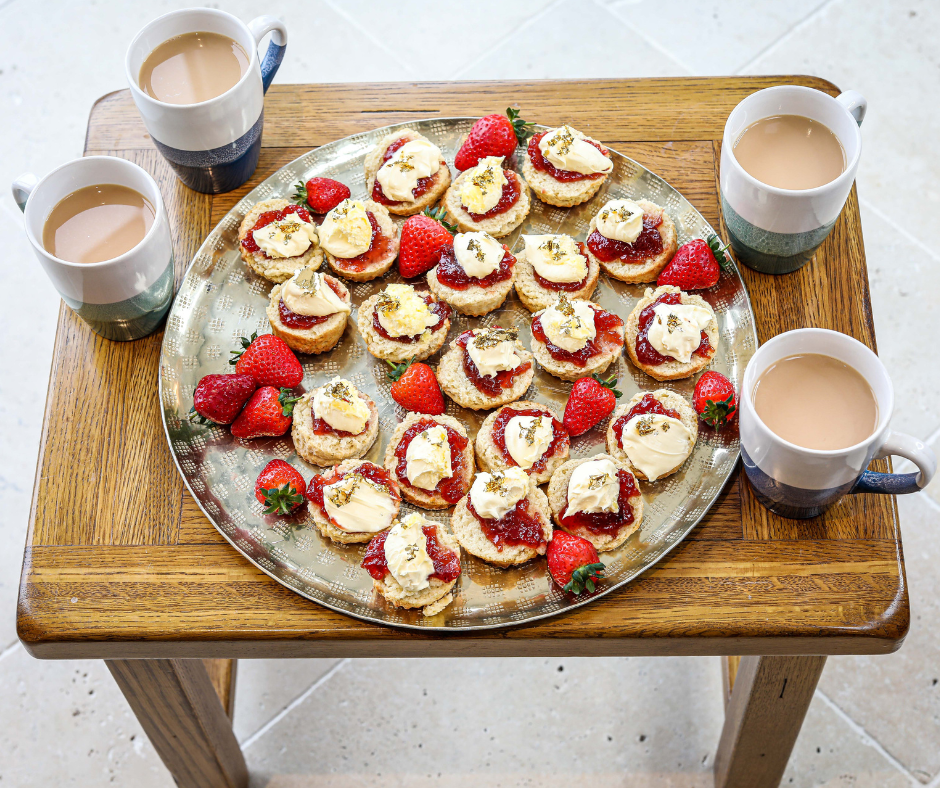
(855, 103)
(900, 483)
(259, 28)
(23, 187)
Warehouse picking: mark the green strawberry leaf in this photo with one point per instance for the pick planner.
(300, 193)
(719, 250)
(608, 383)
(287, 401)
(281, 500)
(522, 128)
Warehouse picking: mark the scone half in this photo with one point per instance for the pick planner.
(381, 255)
(562, 194)
(475, 299)
(534, 296)
(275, 269)
(499, 224)
(648, 269)
(375, 159)
(609, 350)
(490, 455)
(333, 447)
(328, 526)
(317, 338)
(395, 350)
(452, 375)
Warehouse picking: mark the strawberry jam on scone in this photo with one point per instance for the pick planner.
(564, 167)
(353, 501)
(401, 323)
(360, 240)
(488, 198)
(474, 275)
(278, 238)
(334, 422)
(633, 241)
(525, 435)
(552, 264)
(406, 173)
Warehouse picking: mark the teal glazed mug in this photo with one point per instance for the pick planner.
(774, 230)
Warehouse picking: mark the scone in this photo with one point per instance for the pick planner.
(474, 275)
(431, 458)
(400, 323)
(489, 199)
(485, 368)
(653, 433)
(572, 339)
(309, 311)
(564, 167)
(671, 334)
(504, 519)
(353, 501)
(334, 422)
(523, 434)
(406, 172)
(596, 498)
(359, 239)
(414, 564)
(549, 265)
(277, 238)
(632, 241)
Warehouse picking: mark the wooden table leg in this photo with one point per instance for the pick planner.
(180, 711)
(763, 719)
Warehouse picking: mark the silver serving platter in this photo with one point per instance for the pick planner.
(221, 300)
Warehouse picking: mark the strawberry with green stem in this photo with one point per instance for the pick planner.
(591, 400)
(280, 487)
(422, 238)
(573, 563)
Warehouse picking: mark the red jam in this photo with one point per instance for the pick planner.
(518, 526)
(491, 386)
(507, 199)
(451, 273)
(367, 470)
(606, 522)
(450, 489)
(543, 164)
(439, 308)
(559, 443)
(293, 320)
(568, 287)
(645, 351)
(649, 404)
(648, 244)
(378, 249)
(268, 217)
(606, 338)
(420, 188)
(446, 562)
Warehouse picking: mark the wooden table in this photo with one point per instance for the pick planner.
(121, 565)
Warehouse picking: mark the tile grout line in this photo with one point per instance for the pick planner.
(780, 39)
(904, 233)
(646, 38)
(9, 650)
(340, 11)
(293, 704)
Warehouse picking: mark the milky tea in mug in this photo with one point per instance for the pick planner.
(192, 68)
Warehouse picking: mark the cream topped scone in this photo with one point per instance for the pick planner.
(631, 241)
(309, 311)
(597, 499)
(485, 368)
(334, 422)
(523, 434)
(549, 265)
(401, 323)
(406, 172)
(505, 519)
(572, 338)
(359, 239)
(414, 564)
(353, 501)
(277, 238)
(564, 167)
(671, 334)
(474, 275)
(488, 198)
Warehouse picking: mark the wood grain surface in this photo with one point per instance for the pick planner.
(121, 563)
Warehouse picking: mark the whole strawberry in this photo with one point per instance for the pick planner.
(220, 398)
(321, 194)
(714, 399)
(280, 487)
(695, 265)
(422, 238)
(268, 413)
(492, 135)
(591, 400)
(416, 388)
(573, 563)
(268, 360)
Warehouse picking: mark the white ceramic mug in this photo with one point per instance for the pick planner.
(123, 298)
(213, 145)
(775, 230)
(796, 482)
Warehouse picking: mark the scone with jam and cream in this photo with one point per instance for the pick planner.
(671, 334)
(549, 265)
(572, 339)
(564, 167)
(277, 238)
(485, 368)
(504, 519)
(406, 172)
(653, 433)
(414, 564)
(353, 501)
(431, 458)
(359, 239)
(598, 499)
(401, 323)
(631, 241)
(334, 422)
(523, 435)
(488, 198)
(474, 275)
(309, 311)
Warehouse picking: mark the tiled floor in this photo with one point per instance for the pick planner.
(875, 721)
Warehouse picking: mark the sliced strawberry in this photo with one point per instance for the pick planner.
(280, 487)
(492, 135)
(415, 388)
(422, 238)
(321, 194)
(573, 563)
(268, 360)
(220, 398)
(591, 400)
(714, 399)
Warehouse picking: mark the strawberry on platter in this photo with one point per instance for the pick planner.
(321, 194)
(492, 135)
(280, 487)
(696, 265)
(268, 360)
(415, 388)
(591, 400)
(714, 399)
(573, 563)
(267, 414)
(422, 238)
(220, 398)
